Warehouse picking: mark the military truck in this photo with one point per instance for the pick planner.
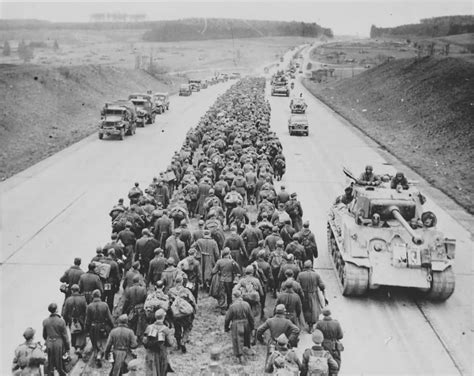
(298, 124)
(162, 102)
(145, 108)
(280, 88)
(298, 106)
(195, 85)
(185, 90)
(383, 238)
(117, 119)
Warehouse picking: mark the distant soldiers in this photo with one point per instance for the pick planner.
(57, 340)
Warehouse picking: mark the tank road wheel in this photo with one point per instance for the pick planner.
(355, 279)
(442, 285)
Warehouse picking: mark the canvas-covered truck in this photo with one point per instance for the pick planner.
(384, 238)
(195, 85)
(162, 102)
(117, 119)
(185, 90)
(144, 107)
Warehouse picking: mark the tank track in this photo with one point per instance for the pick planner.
(353, 279)
(442, 285)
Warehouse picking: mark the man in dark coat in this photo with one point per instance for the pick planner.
(239, 318)
(203, 191)
(208, 254)
(287, 232)
(74, 314)
(297, 250)
(283, 196)
(227, 270)
(251, 236)
(163, 228)
(237, 247)
(191, 268)
(174, 247)
(57, 340)
(266, 278)
(186, 236)
(295, 211)
(279, 325)
(274, 239)
(311, 282)
(133, 306)
(98, 324)
(169, 274)
(291, 301)
(332, 332)
(199, 233)
(72, 276)
(144, 249)
(308, 240)
(130, 275)
(127, 237)
(121, 341)
(112, 283)
(162, 194)
(89, 282)
(156, 267)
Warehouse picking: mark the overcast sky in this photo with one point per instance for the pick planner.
(344, 17)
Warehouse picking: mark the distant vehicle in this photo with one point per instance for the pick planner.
(204, 84)
(298, 106)
(195, 85)
(185, 90)
(162, 102)
(383, 238)
(298, 124)
(118, 119)
(145, 108)
(235, 76)
(281, 88)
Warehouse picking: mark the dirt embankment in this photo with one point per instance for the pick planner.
(422, 111)
(46, 109)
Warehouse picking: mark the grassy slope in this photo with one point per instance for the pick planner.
(420, 110)
(46, 109)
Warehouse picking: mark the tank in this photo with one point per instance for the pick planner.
(383, 238)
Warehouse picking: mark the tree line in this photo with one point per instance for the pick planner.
(204, 29)
(429, 27)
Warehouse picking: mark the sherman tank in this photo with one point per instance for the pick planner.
(383, 238)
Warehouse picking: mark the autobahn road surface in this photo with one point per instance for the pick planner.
(57, 210)
(388, 331)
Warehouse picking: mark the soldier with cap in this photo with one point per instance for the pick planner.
(287, 232)
(191, 269)
(277, 325)
(266, 278)
(251, 236)
(163, 228)
(199, 233)
(237, 247)
(186, 236)
(308, 240)
(127, 237)
(274, 239)
(169, 274)
(88, 282)
(291, 301)
(133, 305)
(283, 358)
(325, 364)
(240, 320)
(156, 267)
(347, 197)
(57, 340)
(227, 270)
(24, 362)
(208, 254)
(174, 247)
(214, 368)
(134, 271)
(295, 211)
(112, 282)
(265, 225)
(332, 332)
(144, 249)
(368, 177)
(277, 259)
(289, 265)
(72, 276)
(156, 340)
(120, 343)
(283, 196)
(74, 314)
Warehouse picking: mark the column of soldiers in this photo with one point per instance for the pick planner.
(250, 250)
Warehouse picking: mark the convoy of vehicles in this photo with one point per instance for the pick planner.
(195, 85)
(383, 238)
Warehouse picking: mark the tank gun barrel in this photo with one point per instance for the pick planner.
(414, 237)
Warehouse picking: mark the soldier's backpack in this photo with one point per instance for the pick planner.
(249, 294)
(102, 269)
(276, 260)
(181, 307)
(156, 301)
(318, 363)
(283, 366)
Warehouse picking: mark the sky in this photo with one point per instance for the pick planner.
(344, 17)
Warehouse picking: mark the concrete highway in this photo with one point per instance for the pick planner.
(57, 210)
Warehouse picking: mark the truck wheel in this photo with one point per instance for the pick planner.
(122, 134)
(101, 136)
